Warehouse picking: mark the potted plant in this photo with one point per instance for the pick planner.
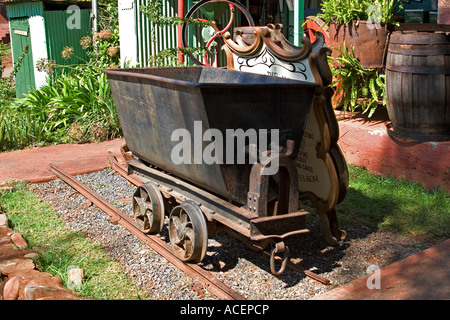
(357, 88)
(362, 24)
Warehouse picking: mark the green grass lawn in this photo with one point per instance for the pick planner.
(61, 248)
(389, 204)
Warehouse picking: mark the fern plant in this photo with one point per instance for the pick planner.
(357, 87)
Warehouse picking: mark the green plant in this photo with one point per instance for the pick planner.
(7, 85)
(103, 46)
(17, 129)
(346, 11)
(356, 86)
(76, 106)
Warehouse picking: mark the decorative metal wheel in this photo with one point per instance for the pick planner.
(148, 208)
(212, 18)
(188, 232)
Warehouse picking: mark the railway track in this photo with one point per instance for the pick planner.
(212, 284)
(123, 172)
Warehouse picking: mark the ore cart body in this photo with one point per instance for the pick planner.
(163, 109)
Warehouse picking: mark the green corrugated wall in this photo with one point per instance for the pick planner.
(166, 36)
(21, 37)
(25, 9)
(58, 35)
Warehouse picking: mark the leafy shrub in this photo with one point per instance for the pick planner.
(16, 129)
(82, 96)
(346, 11)
(357, 87)
(7, 86)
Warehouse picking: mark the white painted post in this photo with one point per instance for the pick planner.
(39, 45)
(299, 12)
(94, 14)
(128, 33)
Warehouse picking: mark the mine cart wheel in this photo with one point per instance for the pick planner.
(188, 232)
(148, 208)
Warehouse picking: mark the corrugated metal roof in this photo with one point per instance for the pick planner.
(56, 2)
(24, 9)
(30, 8)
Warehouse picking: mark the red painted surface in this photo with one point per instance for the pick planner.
(4, 25)
(423, 276)
(180, 41)
(33, 164)
(366, 143)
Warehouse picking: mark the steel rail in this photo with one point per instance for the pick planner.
(294, 267)
(212, 284)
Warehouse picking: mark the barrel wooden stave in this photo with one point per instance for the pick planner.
(418, 83)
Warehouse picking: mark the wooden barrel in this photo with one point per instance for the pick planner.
(418, 83)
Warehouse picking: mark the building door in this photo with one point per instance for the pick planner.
(20, 38)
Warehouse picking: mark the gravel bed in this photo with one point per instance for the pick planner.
(230, 260)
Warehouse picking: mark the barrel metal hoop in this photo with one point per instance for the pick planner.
(410, 50)
(417, 70)
(418, 38)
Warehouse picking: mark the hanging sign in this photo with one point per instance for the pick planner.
(21, 32)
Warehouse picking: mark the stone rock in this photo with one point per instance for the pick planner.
(18, 240)
(47, 293)
(32, 255)
(16, 265)
(34, 278)
(4, 230)
(9, 251)
(3, 219)
(11, 288)
(5, 240)
(75, 277)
